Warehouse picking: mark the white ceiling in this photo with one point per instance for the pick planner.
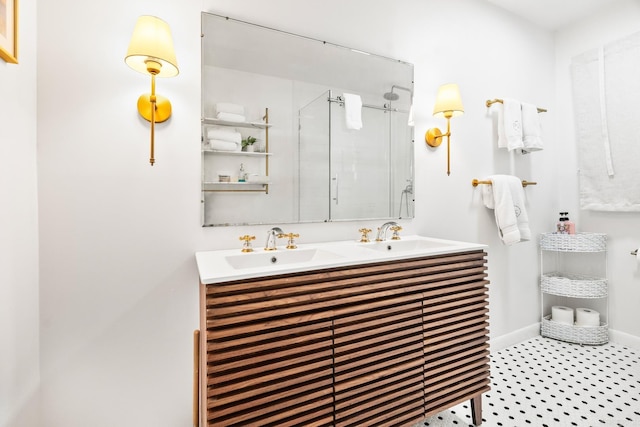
(553, 14)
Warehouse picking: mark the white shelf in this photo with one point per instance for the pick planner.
(257, 125)
(236, 153)
(216, 183)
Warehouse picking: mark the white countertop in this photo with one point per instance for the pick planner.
(233, 264)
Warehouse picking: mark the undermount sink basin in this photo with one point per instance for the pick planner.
(408, 245)
(279, 257)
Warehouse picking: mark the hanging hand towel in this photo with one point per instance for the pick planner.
(353, 111)
(531, 130)
(502, 138)
(512, 117)
(506, 197)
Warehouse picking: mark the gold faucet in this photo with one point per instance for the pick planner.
(291, 244)
(246, 247)
(365, 235)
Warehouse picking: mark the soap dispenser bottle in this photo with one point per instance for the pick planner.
(560, 226)
(569, 225)
(242, 174)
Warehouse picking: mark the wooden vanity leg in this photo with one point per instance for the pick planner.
(476, 410)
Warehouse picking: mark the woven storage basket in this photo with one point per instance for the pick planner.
(593, 335)
(579, 242)
(575, 286)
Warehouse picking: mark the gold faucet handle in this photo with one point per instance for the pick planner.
(246, 246)
(395, 229)
(365, 235)
(291, 244)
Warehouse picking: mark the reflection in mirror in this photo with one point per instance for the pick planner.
(306, 165)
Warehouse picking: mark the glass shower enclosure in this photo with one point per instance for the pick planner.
(345, 173)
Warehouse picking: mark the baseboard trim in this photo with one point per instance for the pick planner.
(624, 338)
(515, 337)
(532, 331)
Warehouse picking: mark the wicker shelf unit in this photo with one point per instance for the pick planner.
(559, 286)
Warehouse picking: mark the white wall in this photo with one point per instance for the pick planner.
(616, 22)
(118, 281)
(19, 371)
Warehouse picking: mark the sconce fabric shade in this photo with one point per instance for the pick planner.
(152, 41)
(448, 101)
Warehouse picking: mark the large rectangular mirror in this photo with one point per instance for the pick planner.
(293, 98)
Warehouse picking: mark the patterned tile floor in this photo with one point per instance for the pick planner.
(544, 382)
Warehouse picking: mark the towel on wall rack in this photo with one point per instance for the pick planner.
(509, 124)
(506, 197)
(531, 129)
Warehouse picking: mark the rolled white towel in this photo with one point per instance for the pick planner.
(227, 107)
(224, 134)
(231, 117)
(217, 144)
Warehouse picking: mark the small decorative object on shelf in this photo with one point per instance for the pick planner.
(572, 289)
(247, 144)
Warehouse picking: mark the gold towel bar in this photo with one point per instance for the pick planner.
(493, 101)
(476, 182)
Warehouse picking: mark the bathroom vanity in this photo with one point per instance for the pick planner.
(346, 334)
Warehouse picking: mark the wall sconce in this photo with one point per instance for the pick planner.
(151, 52)
(448, 104)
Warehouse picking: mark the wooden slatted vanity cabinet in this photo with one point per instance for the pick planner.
(375, 344)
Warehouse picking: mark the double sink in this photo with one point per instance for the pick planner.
(226, 265)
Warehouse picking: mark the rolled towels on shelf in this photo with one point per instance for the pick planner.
(217, 144)
(587, 317)
(224, 134)
(231, 117)
(562, 314)
(228, 107)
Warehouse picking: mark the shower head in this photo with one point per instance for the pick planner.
(390, 96)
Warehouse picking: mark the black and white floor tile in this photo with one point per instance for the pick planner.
(545, 382)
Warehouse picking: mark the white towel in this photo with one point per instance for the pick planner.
(258, 179)
(217, 144)
(531, 129)
(506, 197)
(231, 117)
(353, 111)
(224, 134)
(227, 107)
(512, 124)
